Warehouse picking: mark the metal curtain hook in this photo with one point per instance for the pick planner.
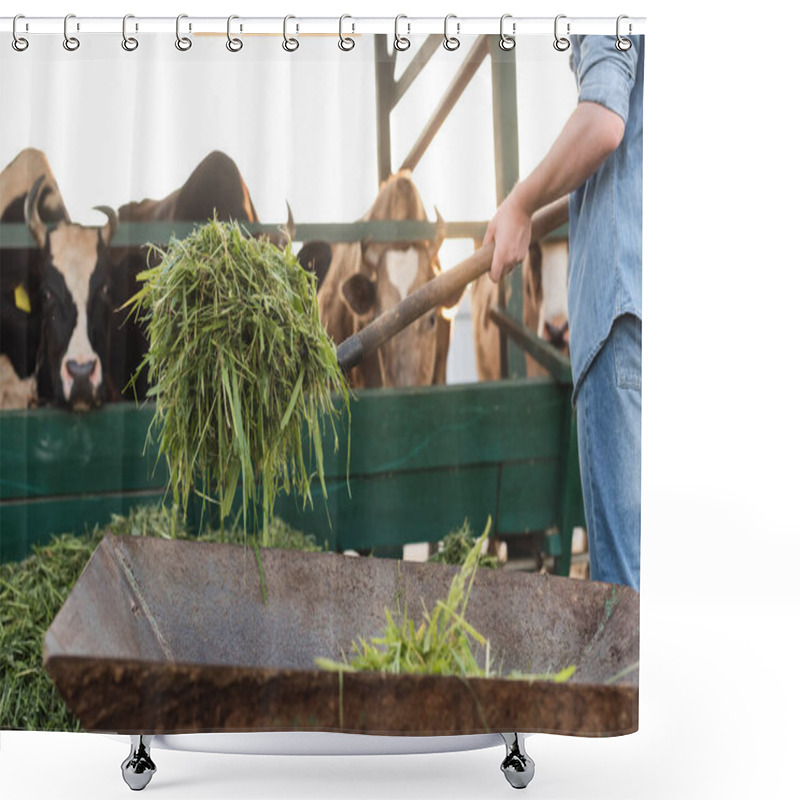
(623, 44)
(401, 42)
(507, 42)
(234, 44)
(70, 42)
(129, 43)
(346, 42)
(19, 43)
(290, 44)
(451, 42)
(561, 43)
(183, 43)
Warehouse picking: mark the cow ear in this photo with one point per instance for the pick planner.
(34, 222)
(359, 293)
(316, 257)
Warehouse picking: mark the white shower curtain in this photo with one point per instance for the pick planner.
(134, 134)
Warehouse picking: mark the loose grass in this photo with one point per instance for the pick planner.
(456, 547)
(32, 592)
(442, 643)
(240, 367)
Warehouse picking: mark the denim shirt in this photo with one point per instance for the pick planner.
(605, 214)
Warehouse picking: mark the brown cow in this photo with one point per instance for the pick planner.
(360, 280)
(544, 308)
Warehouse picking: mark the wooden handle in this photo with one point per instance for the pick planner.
(353, 349)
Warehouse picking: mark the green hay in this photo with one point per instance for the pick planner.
(32, 592)
(240, 368)
(442, 643)
(456, 547)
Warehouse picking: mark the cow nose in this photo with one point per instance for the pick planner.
(82, 369)
(557, 335)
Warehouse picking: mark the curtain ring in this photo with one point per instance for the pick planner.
(234, 44)
(623, 44)
(290, 44)
(19, 43)
(451, 42)
(129, 43)
(507, 42)
(183, 43)
(401, 42)
(561, 43)
(70, 42)
(346, 43)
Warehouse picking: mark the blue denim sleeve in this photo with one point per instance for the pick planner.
(606, 75)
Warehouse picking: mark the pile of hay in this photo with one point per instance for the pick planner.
(240, 366)
(32, 592)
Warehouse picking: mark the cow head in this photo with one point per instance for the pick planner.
(545, 282)
(75, 296)
(391, 271)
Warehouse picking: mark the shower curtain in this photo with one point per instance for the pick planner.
(367, 159)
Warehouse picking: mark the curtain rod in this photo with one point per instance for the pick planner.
(243, 26)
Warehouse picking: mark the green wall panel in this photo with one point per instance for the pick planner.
(23, 525)
(421, 461)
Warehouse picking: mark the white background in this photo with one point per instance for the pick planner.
(719, 700)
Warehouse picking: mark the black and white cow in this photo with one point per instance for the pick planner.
(20, 306)
(62, 313)
(76, 270)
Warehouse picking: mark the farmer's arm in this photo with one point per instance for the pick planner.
(589, 136)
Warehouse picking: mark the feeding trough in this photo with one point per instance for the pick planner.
(181, 642)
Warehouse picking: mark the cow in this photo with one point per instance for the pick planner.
(75, 285)
(20, 277)
(544, 308)
(358, 281)
(215, 186)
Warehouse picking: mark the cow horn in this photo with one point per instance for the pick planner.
(110, 228)
(441, 229)
(291, 229)
(32, 218)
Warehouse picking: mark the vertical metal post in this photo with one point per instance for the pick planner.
(384, 100)
(506, 167)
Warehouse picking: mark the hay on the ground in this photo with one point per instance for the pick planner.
(32, 592)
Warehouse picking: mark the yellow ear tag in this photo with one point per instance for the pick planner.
(21, 299)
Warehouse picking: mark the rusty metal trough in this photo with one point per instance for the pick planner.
(174, 637)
